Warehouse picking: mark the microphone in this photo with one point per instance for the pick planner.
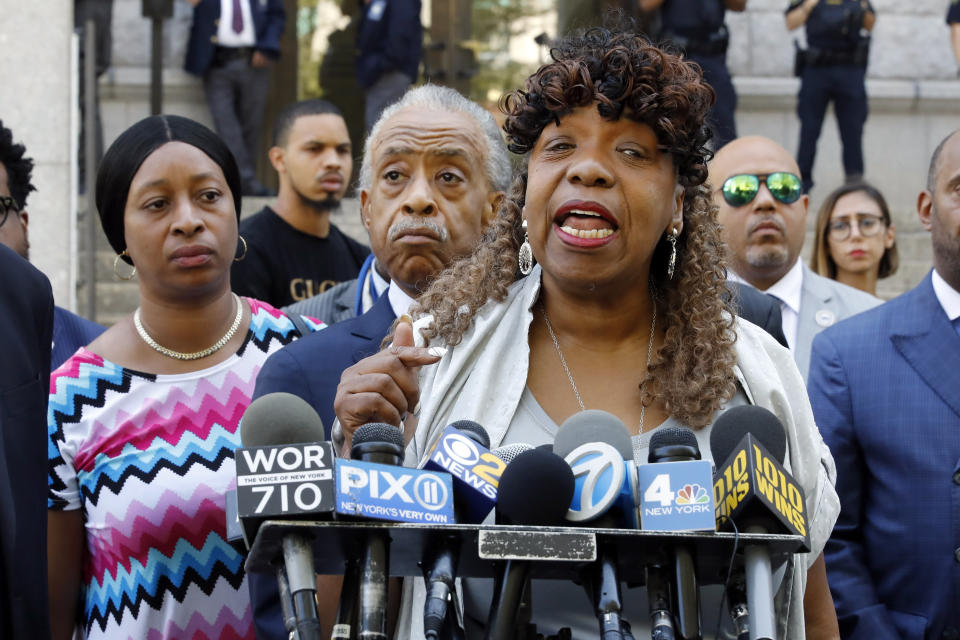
(281, 430)
(463, 451)
(674, 461)
(598, 448)
(755, 492)
(383, 444)
(535, 490)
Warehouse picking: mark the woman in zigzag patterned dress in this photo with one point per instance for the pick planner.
(143, 422)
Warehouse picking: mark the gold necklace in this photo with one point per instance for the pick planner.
(563, 361)
(196, 355)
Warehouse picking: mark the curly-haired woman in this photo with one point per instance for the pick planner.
(624, 311)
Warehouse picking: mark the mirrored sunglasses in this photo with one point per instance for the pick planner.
(742, 188)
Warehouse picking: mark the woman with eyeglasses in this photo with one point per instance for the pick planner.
(143, 422)
(856, 241)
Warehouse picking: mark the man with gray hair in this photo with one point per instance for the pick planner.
(435, 168)
(394, 246)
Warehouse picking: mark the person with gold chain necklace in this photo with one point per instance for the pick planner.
(143, 421)
(600, 285)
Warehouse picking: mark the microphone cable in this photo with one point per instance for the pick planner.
(726, 582)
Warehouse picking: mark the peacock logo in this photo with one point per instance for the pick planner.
(692, 494)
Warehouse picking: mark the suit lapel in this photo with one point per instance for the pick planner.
(374, 324)
(817, 311)
(926, 339)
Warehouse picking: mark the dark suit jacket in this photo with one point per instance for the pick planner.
(885, 390)
(311, 368)
(269, 18)
(26, 328)
(70, 332)
(759, 308)
(389, 38)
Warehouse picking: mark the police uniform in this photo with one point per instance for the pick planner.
(835, 70)
(697, 27)
(953, 12)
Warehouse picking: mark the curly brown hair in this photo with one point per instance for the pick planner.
(628, 77)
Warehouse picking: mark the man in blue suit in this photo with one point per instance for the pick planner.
(885, 391)
(434, 170)
(26, 323)
(231, 46)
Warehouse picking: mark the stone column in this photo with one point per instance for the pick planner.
(36, 104)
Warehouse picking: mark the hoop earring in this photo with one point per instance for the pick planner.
(244, 254)
(525, 255)
(672, 262)
(116, 263)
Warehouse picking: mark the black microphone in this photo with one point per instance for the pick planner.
(282, 419)
(535, 490)
(381, 443)
(599, 450)
(440, 568)
(675, 444)
(755, 492)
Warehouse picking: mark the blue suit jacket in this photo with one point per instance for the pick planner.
(885, 391)
(70, 332)
(311, 368)
(269, 18)
(26, 328)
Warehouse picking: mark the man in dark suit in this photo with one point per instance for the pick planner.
(452, 170)
(885, 391)
(70, 331)
(26, 327)
(233, 54)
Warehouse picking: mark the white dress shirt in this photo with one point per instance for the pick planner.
(948, 296)
(788, 290)
(399, 300)
(226, 36)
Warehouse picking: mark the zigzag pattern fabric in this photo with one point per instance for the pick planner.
(149, 459)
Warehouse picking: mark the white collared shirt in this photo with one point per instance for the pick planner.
(948, 296)
(788, 290)
(226, 36)
(400, 302)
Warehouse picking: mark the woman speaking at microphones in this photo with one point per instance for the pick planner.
(599, 286)
(143, 421)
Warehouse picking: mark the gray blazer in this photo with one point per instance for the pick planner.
(824, 302)
(332, 306)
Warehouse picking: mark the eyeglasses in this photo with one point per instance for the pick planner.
(742, 188)
(869, 225)
(7, 204)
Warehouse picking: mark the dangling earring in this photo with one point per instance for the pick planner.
(525, 255)
(672, 263)
(116, 263)
(244, 254)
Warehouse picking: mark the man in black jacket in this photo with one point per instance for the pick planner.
(26, 329)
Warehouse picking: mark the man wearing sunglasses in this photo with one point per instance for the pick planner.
(763, 212)
(70, 331)
(885, 392)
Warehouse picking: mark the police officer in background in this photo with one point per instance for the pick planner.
(697, 28)
(833, 67)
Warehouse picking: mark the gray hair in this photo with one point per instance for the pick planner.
(437, 98)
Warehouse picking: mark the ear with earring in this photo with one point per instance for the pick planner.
(672, 261)
(116, 265)
(525, 255)
(244, 254)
